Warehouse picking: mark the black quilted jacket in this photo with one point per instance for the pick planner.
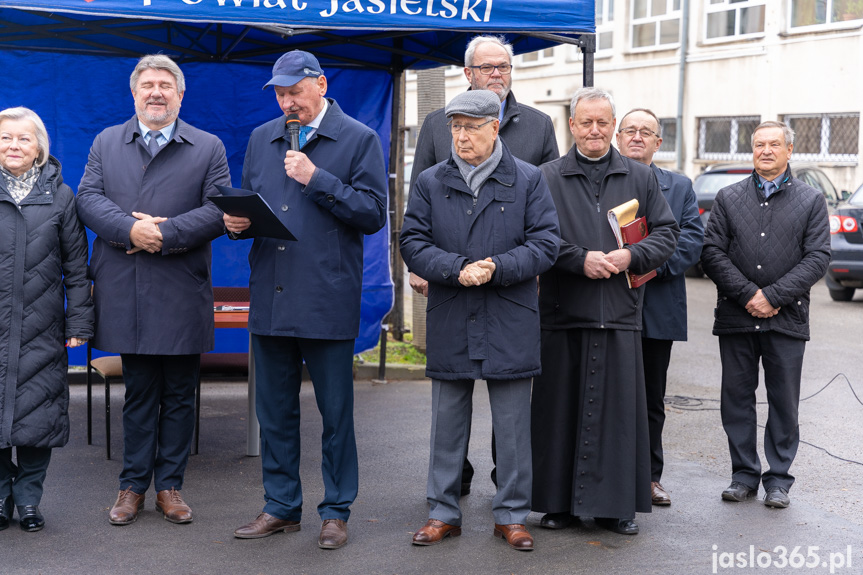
(43, 260)
(780, 244)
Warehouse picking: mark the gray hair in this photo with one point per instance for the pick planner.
(158, 62)
(485, 39)
(590, 94)
(647, 111)
(22, 113)
(787, 132)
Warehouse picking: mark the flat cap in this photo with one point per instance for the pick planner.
(474, 103)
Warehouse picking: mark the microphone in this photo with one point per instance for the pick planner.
(293, 124)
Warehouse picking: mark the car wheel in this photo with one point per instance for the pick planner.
(842, 294)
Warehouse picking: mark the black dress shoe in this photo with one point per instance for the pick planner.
(621, 526)
(465, 488)
(5, 512)
(738, 492)
(777, 497)
(29, 518)
(556, 520)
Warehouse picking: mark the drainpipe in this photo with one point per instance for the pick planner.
(681, 84)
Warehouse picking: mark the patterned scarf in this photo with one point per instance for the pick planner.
(19, 188)
(475, 177)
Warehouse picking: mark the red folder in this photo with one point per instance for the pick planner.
(630, 230)
(632, 233)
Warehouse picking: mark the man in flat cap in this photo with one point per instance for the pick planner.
(480, 226)
(305, 295)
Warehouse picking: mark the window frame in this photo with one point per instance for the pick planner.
(732, 155)
(666, 155)
(824, 154)
(670, 14)
(836, 25)
(736, 7)
(541, 58)
(606, 12)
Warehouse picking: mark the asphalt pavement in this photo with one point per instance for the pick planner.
(821, 532)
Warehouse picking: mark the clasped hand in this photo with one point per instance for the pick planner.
(477, 273)
(145, 233)
(601, 265)
(759, 307)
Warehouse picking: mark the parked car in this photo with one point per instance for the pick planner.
(716, 177)
(845, 273)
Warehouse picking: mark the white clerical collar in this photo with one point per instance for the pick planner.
(585, 158)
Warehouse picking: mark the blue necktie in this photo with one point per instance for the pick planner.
(769, 188)
(304, 135)
(153, 144)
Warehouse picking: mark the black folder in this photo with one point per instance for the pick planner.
(248, 204)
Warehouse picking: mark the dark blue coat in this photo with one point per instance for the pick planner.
(311, 288)
(153, 304)
(664, 307)
(43, 258)
(489, 331)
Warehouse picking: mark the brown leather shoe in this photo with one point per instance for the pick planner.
(172, 506)
(126, 508)
(334, 534)
(265, 525)
(434, 531)
(516, 535)
(658, 494)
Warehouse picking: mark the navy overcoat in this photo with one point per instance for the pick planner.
(153, 304)
(664, 307)
(312, 288)
(489, 331)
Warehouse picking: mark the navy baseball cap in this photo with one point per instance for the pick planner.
(293, 67)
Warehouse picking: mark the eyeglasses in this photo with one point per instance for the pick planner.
(487, 69)
(644, 132)
(470, 129)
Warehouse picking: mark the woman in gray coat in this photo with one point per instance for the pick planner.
(43, 260)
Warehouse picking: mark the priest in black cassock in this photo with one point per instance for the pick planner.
(591, 452)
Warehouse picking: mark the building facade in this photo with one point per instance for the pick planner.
(745, 61)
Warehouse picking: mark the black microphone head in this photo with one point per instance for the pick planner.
(293, 123)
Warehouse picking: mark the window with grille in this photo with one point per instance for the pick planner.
(668, 131)
(733, 18)
(824, 12)
(655, 23)
(726, 138)
(825, 137)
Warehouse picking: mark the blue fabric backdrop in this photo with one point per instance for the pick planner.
(78, 96)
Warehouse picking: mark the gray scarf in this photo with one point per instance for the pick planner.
(19, 188)
(476, 177)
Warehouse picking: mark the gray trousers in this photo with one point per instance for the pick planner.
(452, 408)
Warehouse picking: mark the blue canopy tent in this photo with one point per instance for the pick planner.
(69, 60)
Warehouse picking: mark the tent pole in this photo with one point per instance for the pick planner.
(396, 318)
(587, 42)
(394, 321)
